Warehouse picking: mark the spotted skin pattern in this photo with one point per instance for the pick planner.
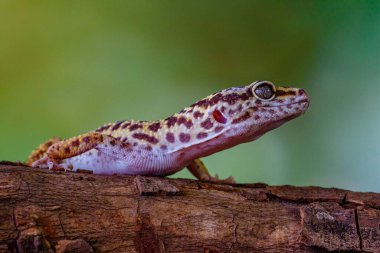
(159, 148)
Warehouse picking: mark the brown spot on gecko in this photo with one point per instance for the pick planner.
(149, 148)
(189, 124)
(125, 125)
(285, 93)
(86, 139)
(207, 124)
(117, 125)
(170, 137)
(244, 96)
(184, 137)
(257, 117)
(244, 117)
(301, 92)
(75, 143)
(201, 103)
(271, 111)
(218, 129)
(154, 126)
(183, 121)
(202, 135)
(67, 150)
(48, 144)
(112, 142)
(103, 128)
(197, 114)
(146, 137)
(171, 121)
(215, 99)
(135, 127)
(249, 92)
(231, 98)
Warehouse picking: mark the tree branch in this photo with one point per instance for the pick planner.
(45, 211)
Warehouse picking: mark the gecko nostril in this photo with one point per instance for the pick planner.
(301, 92)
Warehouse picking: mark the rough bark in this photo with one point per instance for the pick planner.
(45, 211)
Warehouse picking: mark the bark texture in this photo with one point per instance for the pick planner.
(45, 211)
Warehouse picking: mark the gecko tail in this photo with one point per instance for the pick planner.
(39, 152)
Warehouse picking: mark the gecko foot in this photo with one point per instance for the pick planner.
(215, 179)
(46, 163)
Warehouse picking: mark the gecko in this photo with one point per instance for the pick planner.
(163, 147)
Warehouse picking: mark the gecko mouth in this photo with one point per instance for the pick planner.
(303, 101)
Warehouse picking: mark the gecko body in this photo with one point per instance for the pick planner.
(159, 148)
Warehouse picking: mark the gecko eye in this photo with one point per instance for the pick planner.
(264, 90)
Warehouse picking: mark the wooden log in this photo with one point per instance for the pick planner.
(46, 211)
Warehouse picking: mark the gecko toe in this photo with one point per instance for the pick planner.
(230, 180)
(41, 163)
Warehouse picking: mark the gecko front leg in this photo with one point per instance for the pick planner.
(76, 146)
(199, 170)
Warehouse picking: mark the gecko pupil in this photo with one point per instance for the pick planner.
(264, 91)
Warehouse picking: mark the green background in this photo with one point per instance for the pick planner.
(67, 67)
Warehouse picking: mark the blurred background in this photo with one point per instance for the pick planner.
(68, 67)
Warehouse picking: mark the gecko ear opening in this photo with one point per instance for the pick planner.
(264, 90)
(218, 116)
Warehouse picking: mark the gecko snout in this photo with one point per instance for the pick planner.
(302, 94)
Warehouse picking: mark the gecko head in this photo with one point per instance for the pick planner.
(241, 114)
(233, 116)
(267, 107)
(283, 101)
(249, 111)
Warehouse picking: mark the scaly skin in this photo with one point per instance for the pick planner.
(163, 147)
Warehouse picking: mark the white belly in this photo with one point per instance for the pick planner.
(137, 162)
